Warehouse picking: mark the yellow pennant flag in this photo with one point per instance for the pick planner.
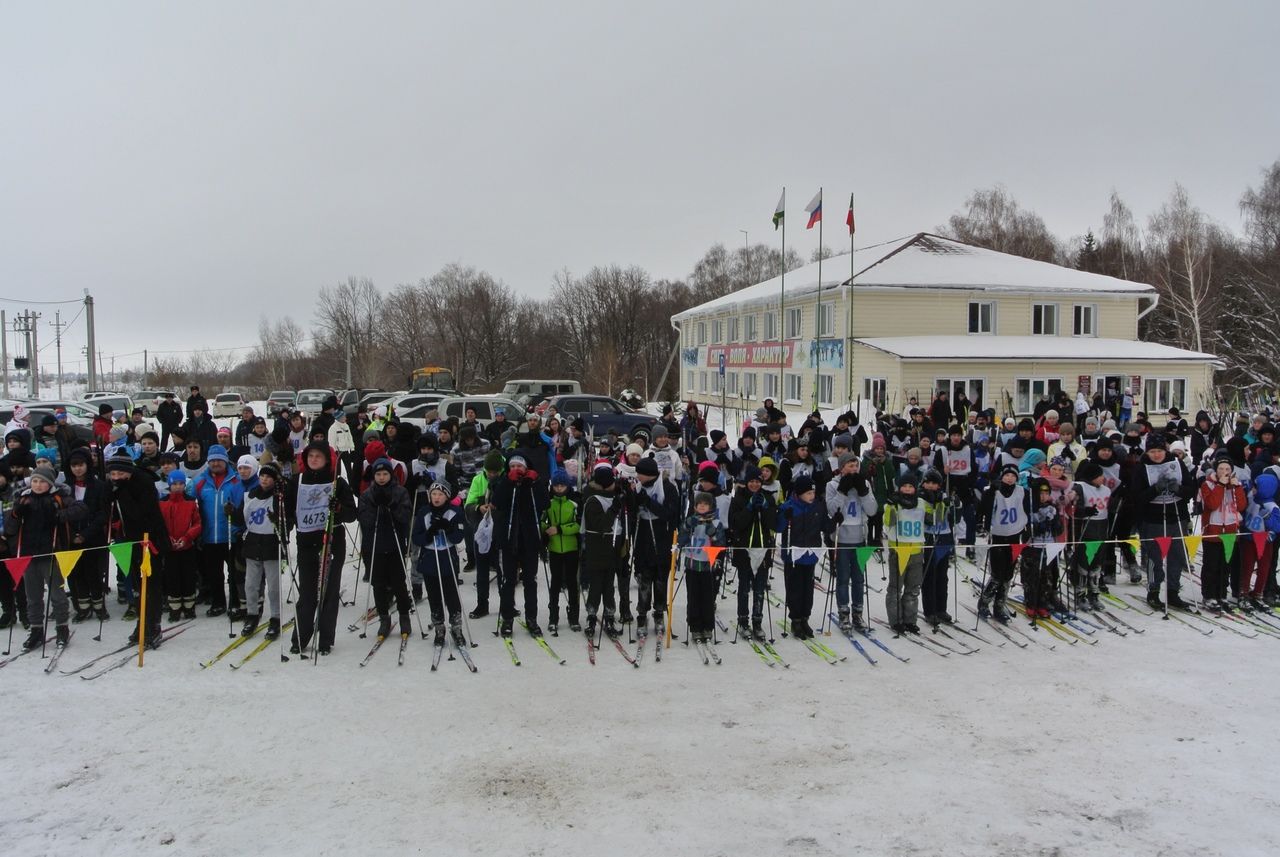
(905, 552)
(67, 561)
(1134, 543)
(146, 560)
(1192, 544)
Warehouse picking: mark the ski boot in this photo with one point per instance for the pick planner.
(912, 628)
(188, 611)
(130, 613)
(846, 621)
(1095, 603)
(743, 625)
(591, 625)
(273, 629)
(236, 613)
(554, 629)
(83, 612)
(998, 608)
(944, 618)
(215, 610)
(175, 616)
(100, 610)
(455, 628)
(659, 624)
(800, 629)
(855, 619)
(610, 628)
(575, 626)
(1153, 600)
(384, 626)
(504, 629)
(36, 637)
(250, 626)
(481, 611)
(534, 630)
(984, 600)
(439, 639)
(63, 636)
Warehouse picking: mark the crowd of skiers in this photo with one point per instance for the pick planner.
(229, 513)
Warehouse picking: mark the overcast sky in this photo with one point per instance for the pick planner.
(198, 166)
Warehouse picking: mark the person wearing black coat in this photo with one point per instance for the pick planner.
(169, 415)
(200, 427)
(657, 513)
(87, 578)
(401, 440)
(196, 401)
(317, 503)
(39, 523)
(385, 515)
(519, 498)
(324, 421)
(530, 447)
(134, 515)
(752, 515)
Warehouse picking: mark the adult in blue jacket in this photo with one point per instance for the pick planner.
(218, 491)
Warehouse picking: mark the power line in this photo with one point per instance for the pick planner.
(42, 303)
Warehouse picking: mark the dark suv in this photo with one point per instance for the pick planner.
(602, 414)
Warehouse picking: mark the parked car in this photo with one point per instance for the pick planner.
(78, 413)
(400, 404)
(421, 415)
(603, 414)
(350, 399)
(149, 400)
(90, 395)
(485, 408)
(372, 400)
(311, 402)
(528, 393)
(227, 404)
(279, 399)
(37, 411)
(117, 402)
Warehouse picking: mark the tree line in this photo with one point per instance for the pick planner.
(609, 326)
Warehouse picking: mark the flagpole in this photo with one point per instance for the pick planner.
(782, 310)
(848, 344)
(817, 317)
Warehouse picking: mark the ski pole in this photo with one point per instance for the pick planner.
(368, 589)
(986, 563)
(46, 577)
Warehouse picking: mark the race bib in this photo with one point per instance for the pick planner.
(313, 507)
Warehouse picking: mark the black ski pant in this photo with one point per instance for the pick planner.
(799, 582)
(651, 580)
(937, 568)
(213, 557)
(386, 576)
(87, 579)
(12, 595)
(564, 575)
(600, 579)
(312, 591)
(440, 579)
(702, 585)
(753, 581)
(519, 562)
(623, 573)
(180, 574)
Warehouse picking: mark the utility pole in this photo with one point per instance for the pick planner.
(348, 364)
(57, 327)
(144, 368)
(27, 322)
(4, 350)
(91, 346)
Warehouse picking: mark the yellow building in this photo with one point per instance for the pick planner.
(926, 313)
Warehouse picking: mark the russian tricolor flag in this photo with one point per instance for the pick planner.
(815, 209)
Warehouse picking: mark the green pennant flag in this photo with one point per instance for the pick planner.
(1091, 550)
(1228, 545)
(862, 556)
(122, 553)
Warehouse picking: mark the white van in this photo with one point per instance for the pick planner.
(529, 393)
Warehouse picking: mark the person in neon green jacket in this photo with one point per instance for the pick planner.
(561, 526)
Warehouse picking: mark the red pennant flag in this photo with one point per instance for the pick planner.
(848, 220)
(1259, 542)
(1164, 543)
(17, 567)
(1017, 548)
(712, 552)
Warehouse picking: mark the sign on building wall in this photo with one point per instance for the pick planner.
(689, 356)
(1084, 384)
(751, 356)
(829, 351)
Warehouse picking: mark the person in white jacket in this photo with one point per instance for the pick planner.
(341, 441)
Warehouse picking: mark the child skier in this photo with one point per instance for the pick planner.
(940, 542)
(1005, 511)
(560, 525)
(384, 516)
(1223, 499)
(904, 529)
(260, 516)
(437, 532)
(701, 529)
(88, 576)
(802, 522)
(182, 523)
(479, 506)
(850, 503)
(1090, 500)
(1262, 517)
(657, 512)
(603, 543)
(753, 512)
(1039, 569)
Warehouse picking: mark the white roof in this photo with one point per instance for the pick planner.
(1026, 348)
(929, 262)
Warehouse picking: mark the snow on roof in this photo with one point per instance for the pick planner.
(930, 262)
(1026, 348)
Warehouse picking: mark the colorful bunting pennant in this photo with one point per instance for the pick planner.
(712, 552)
(67, 561)
(122, 553)
(17, 567)
(1091, 550)
(1228, 545)
(904, 553)
(862, 556)
(1164, 543)
(1053, 550)
(1259, 542)
(1192, 544)
(1016, 549)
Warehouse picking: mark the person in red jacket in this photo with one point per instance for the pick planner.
(102, 425)
(182, 522)
(1223, 501)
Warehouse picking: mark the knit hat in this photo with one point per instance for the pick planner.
(269, 469)
(517, 459)
(708, 470)
(177, 477)
(48, 420)
(223, 430)
(749, 431)
(1087, 471)
(845, 458)
(340, 414)
(441, 486)
(330, 403)
(46, 473)
(381, 464)
(762, 414)
(83, 455)
(647, 467)
(103, 409)
(932, 475)
(634, 449)
(428, 440)
(905, 478)
(844, 440)
(493, 461)
(716, 436)
(801, 485)
(118, 432)
(877, 441)
(371, 433)
(1156, 441)
(218, 452)
(247, 461)
(1009, 468)
(602, 475)
(1026, 424)
(659, 431)
(120, 461)
(955, 429)
(562, 477)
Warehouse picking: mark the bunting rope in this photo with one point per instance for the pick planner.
(121, 552)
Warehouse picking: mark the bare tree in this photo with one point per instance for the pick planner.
(1184, 249)
(993, 219)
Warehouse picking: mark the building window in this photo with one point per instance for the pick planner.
(702, 333)
(1044, 319)
(874, 390)
(717, 331)
(982, 317)
(749, 384)
(1032, 390)
(717, 383)
(770, 326)
(732, 386)
(733, 329)
(1086, 320)
(972, 388)
(1161, 394)
(689, 380)
(749, 322)
(702, 382)
(770, 386)
(826, 319)
(792, 380)
(826, 389)
(795, 318)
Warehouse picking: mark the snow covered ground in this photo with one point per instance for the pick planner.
(1151, 744)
